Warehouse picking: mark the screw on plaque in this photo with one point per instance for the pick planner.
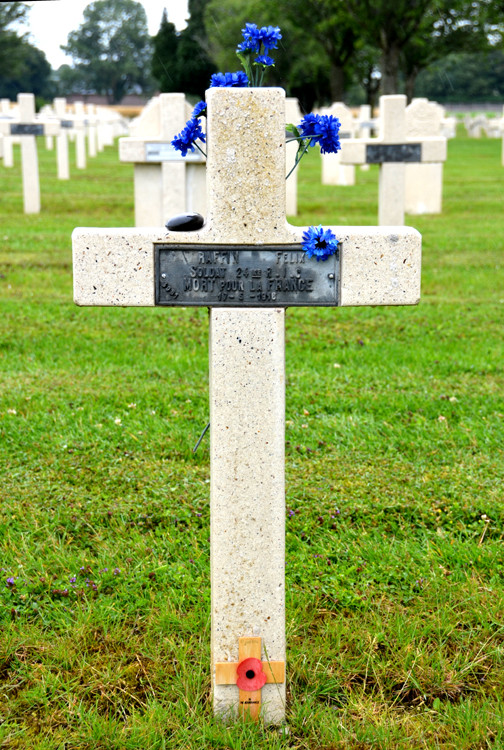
(185, 222)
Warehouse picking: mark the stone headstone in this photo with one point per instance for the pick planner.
(333, 171)
(165, 183)
(423, 182)
(474, 125)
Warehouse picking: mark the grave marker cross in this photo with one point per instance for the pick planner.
(246, 209)
(392, 150)
(26, 126)
(165, 183)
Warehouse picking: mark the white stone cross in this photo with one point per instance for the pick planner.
(80, 135)
(5, 140)
(65, 122)
(27, 127)
(165, 183)
(92, 129)
(392, 150)
(245, 221)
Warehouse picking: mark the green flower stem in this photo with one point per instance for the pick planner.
(299, 156)
(200, 149)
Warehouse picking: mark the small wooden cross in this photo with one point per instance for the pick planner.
(253, 669)
(392, 150)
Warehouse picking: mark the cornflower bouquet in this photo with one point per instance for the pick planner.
(253, 53)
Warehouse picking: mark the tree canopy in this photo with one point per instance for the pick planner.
(330, 50)
(112, 49)
(22, 66)
(181, 62)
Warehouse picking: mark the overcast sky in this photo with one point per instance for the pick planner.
(50, 22)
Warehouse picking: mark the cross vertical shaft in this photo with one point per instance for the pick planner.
(247, 504)
(29, 157)
(247, 395)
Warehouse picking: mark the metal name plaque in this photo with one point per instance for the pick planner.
(27, 129)
(244, 276)
(157, 152)
(381, 153)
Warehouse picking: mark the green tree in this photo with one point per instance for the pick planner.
(31, 73)
(389, 25)
(450, 27)
(306, 63)
(464, 77)
(182, 62)
(10, 41)
(23, 67)
(194, 64)
(164, 57)
(112, 49)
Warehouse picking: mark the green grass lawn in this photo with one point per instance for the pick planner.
(395, 500)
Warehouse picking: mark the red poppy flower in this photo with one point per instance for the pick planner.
(250, 674)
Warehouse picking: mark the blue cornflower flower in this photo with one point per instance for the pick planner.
(308, 126)
(264, 60)
(186, 140)
(270, 36)
(321, 129)
(251, 37)
(319, 243)
(248, 46)
(199, 110)
(228, 80)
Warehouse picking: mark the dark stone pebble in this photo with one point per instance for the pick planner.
(185, 222)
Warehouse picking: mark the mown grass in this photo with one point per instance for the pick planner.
(395, 564)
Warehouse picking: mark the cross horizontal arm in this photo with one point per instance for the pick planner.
(14, 127)
(360, 151)
(115, 267)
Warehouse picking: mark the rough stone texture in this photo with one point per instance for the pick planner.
(380, 268)
(114, 268)
(247, 505)
(164, 188)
